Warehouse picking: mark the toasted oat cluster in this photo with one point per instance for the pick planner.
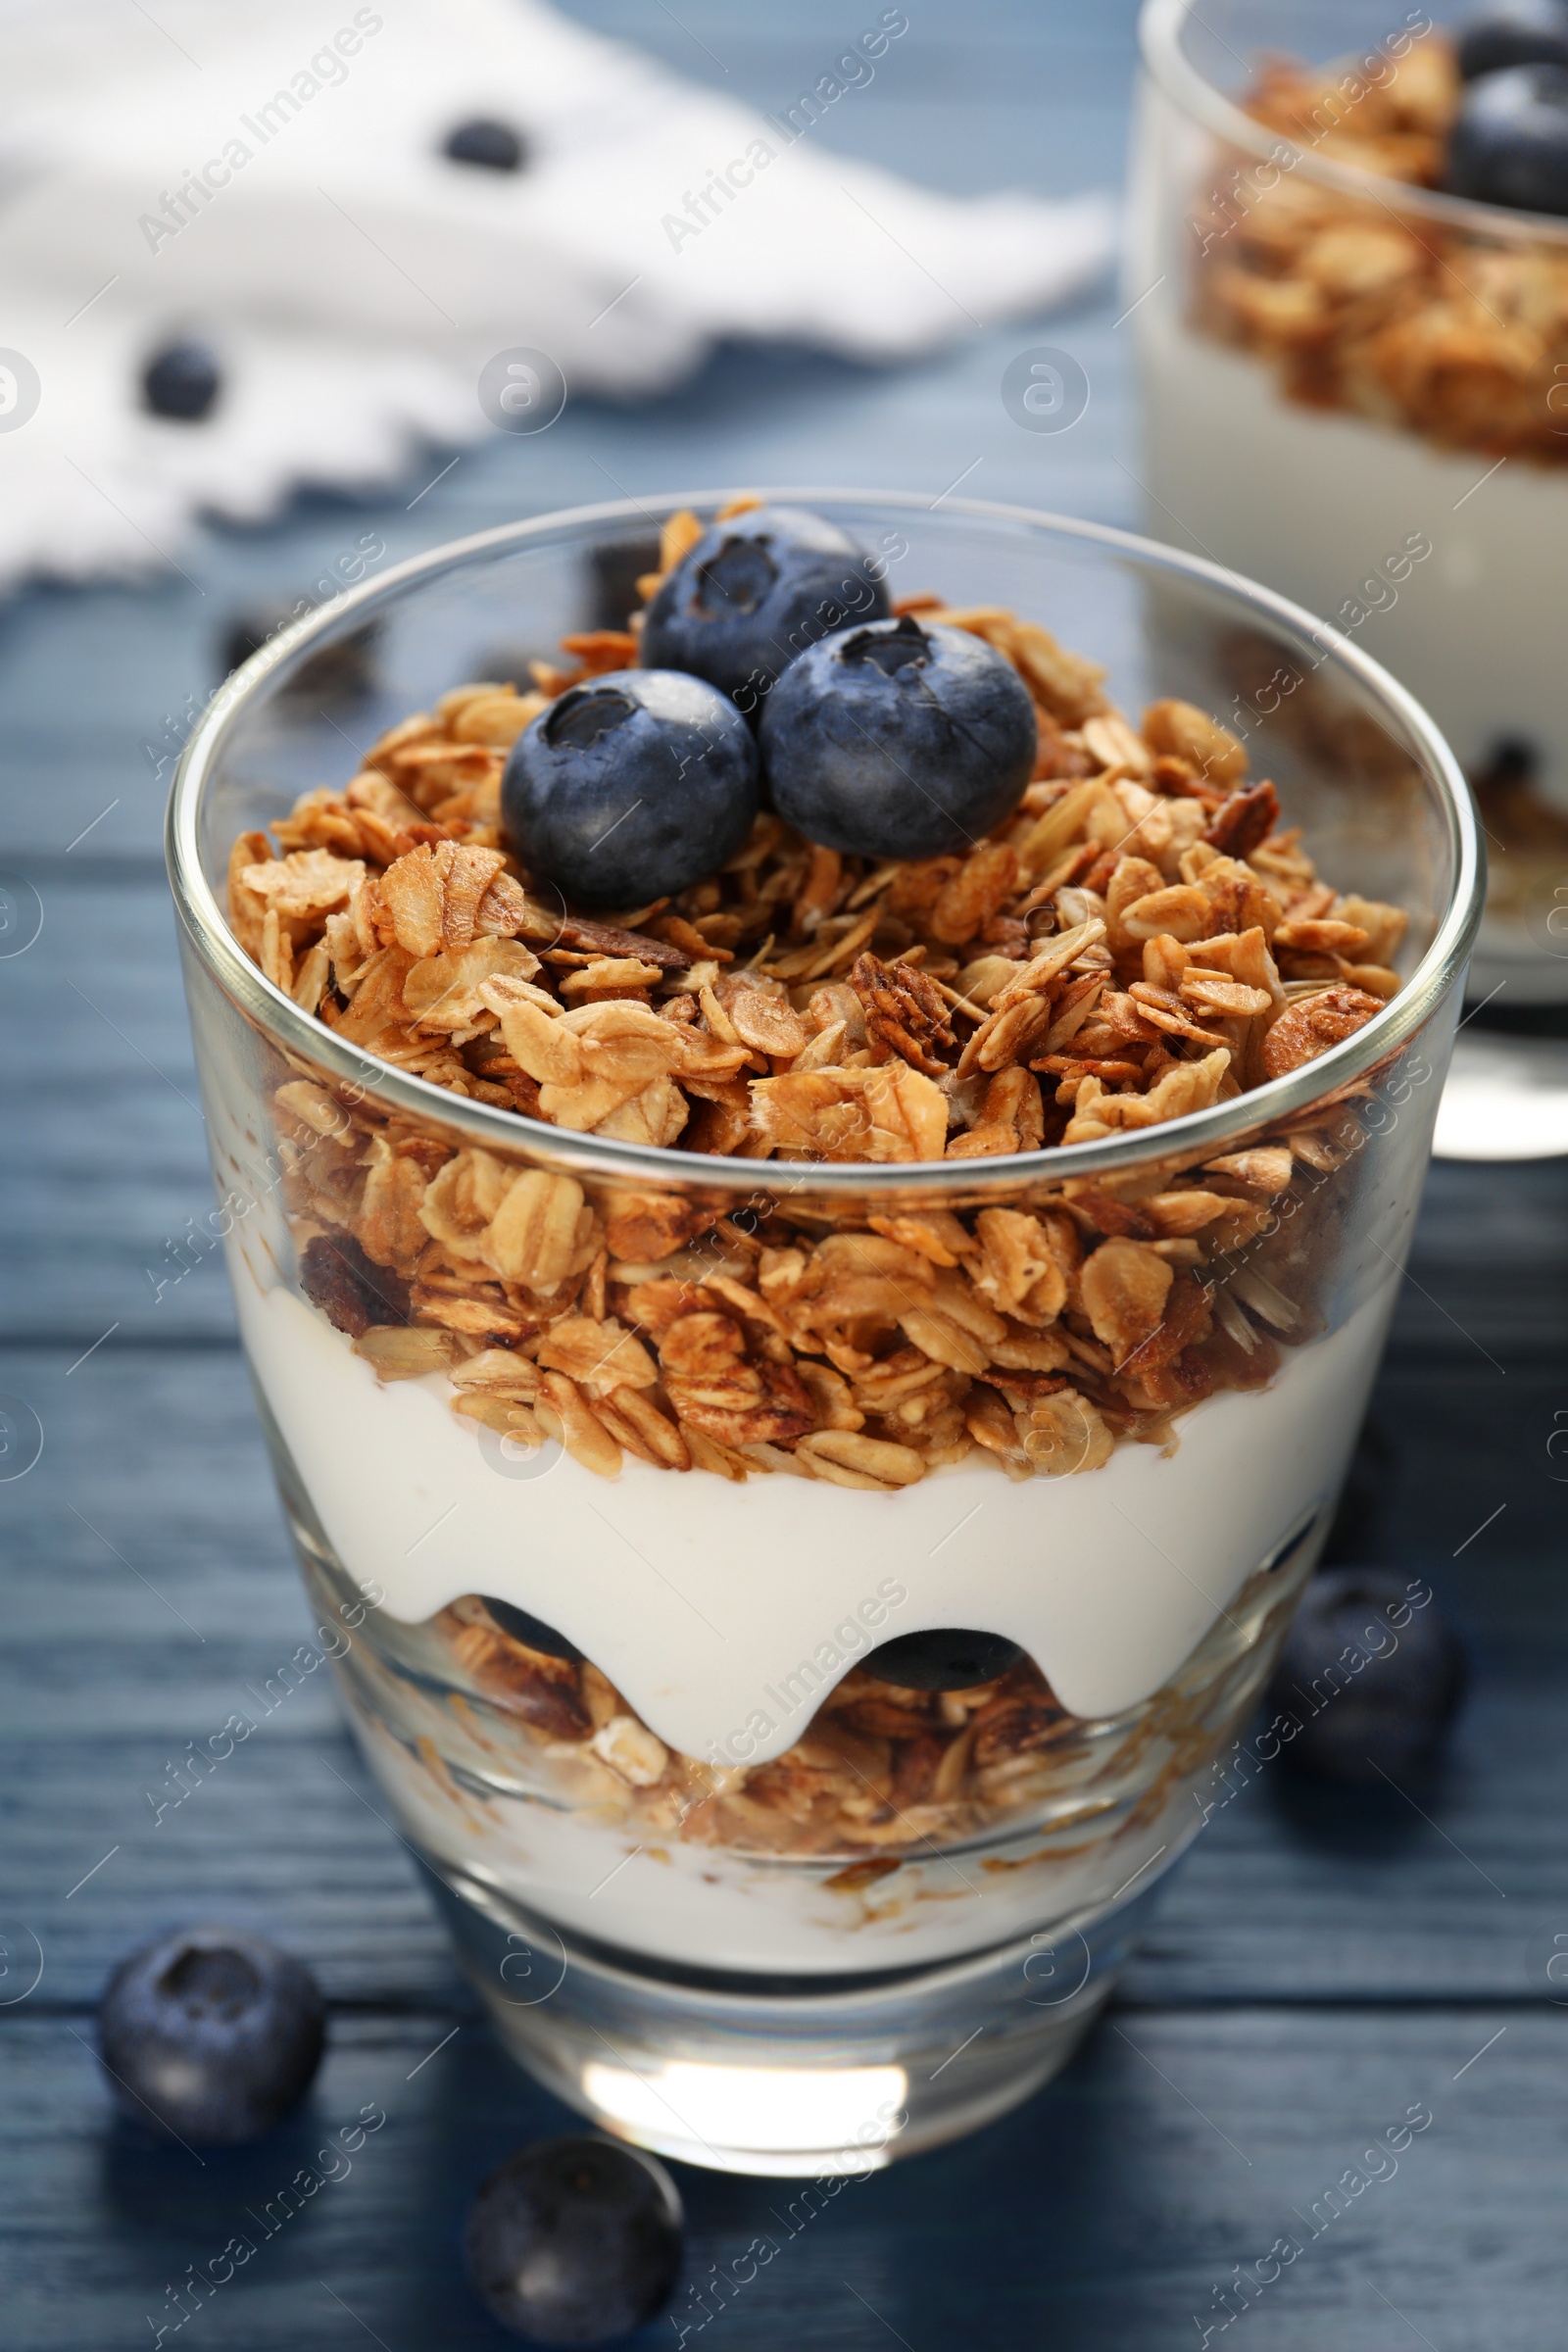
(1410, 324)
(1139, 940)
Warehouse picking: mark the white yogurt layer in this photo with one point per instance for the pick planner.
(1315, 502)
(726, 1612)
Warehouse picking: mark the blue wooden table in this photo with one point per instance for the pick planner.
(1322, 1964)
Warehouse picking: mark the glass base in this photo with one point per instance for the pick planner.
(822, 2072)
(783, 2077)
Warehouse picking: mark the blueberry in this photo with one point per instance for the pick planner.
(531, 1632)
(576, 2242)
(1372, 1681)
(1515, 32)
(183, 381)
(1510, 143)
(211, 2033)
(632, 787)
(753, 594)
(493, 146)
(947, 1659)
(897, 739)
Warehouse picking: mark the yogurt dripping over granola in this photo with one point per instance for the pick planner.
(1136, 940)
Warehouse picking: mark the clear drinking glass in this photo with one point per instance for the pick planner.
(722, 1888)
(1356, 388)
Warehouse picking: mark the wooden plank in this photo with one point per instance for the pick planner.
(1100, 2218)
(997, 34)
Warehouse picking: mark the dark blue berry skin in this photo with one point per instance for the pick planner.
(753, 595)
(576, 2242)
(493, 146)
(211, 2035)
(181, 382)
(1373, 1682)
(1515, 33)
(1510, 143)
(899, 741)
(943, 1660)
(632, 787)
(531, 1630)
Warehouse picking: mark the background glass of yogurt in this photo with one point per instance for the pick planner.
(691, 1975)
(1447, 563)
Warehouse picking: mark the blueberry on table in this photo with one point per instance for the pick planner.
(211, 2035)
(181, 382)
(494, 146)
(1373, 1681)
(632, 787)
(948, 1658)
(576, 2242)
(898, 739)
(1515, 33)
(1510, 143)
(753, 595)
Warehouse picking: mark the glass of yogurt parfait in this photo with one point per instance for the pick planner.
(1348, 267)
(808, 1350)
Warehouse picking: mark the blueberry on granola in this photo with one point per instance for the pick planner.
(1372, 1679)
(632, 787)
(575, 2240)
(751, 596)
(181, 382)
(1510, 140)
(898, 739)
(1515, 33)
(210, 2034)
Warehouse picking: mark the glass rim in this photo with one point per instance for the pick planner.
(1159, 30)
(664, 1167)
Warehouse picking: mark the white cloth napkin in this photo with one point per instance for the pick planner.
(354, 281)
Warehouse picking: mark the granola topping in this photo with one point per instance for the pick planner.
(1141, 939)
(1448, 333)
